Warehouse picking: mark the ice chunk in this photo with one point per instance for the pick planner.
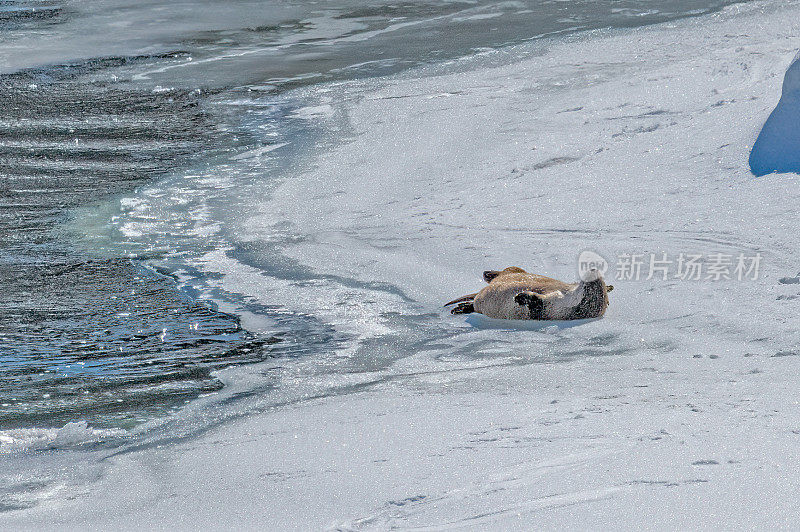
(777, 148)
(72, 434)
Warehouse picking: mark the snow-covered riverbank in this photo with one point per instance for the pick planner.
(678, 409)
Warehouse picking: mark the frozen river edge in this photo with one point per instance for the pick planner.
(692, 420)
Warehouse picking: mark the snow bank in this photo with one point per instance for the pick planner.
(777, 148)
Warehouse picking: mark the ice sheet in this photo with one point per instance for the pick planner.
(678, 408)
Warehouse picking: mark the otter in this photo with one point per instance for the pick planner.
(514, 294)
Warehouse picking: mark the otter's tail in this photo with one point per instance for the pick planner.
(464, 305)
(461, 299)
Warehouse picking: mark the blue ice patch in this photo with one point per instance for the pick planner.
(777, 148)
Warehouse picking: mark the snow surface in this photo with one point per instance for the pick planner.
(777, 148)
(679, 409)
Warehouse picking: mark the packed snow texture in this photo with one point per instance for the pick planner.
(676, 410)
(777, 148)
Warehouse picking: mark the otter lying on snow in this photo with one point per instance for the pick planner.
(514, 294)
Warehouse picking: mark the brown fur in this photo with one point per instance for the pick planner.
(514, 293)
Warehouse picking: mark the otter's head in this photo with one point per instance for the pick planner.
(594, 302)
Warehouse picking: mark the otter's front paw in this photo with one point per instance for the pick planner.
(526, 298)
(534, 303)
